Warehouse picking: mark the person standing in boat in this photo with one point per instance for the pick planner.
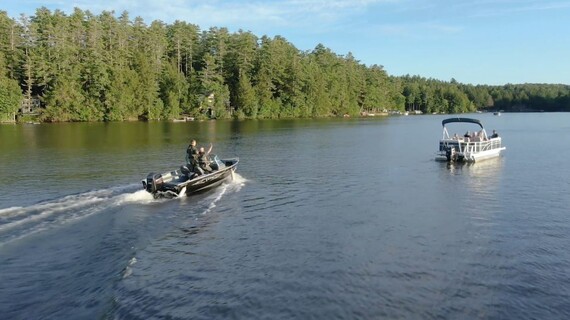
(192, 155)
(495, 134)
(204, 159)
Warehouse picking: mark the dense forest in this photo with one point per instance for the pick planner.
(86, 67)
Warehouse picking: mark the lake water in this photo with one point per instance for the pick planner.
(326, 219)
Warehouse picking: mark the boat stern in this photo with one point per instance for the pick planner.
(153, 182)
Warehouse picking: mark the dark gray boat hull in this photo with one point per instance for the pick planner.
(178, 182)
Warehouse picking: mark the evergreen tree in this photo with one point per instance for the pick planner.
(10, 94)
(173, 88)
(316, 91)
(246, 101)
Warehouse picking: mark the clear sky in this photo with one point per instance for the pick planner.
(473, 41)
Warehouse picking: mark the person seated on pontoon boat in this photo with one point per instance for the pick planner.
(495, 134)
(478, 136)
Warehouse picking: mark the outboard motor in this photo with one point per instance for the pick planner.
(450, 154)
(154, 182)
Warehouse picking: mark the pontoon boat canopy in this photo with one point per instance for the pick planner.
(468, 120)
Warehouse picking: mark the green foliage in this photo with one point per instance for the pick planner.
(173, 88)
(531, 97)
(10, 94)
(451, 97)
(86, 67)
(246, 101)
(66, 102)
(10, 99)
(435, 96)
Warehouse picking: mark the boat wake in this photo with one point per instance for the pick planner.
(238, 181)
(218, 197)
(18, 222)
(233, 185)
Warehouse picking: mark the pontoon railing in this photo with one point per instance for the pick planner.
(478, 146)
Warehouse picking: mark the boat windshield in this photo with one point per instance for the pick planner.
(216, 164)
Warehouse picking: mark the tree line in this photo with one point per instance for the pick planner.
(87, 67)
(430, 95)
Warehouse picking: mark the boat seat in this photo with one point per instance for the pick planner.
(177, 180)
(185, 170)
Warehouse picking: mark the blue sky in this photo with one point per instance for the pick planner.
(479, 42)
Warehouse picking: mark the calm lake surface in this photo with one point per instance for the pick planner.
(326, 219)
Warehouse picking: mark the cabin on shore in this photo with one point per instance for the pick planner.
(30, 106)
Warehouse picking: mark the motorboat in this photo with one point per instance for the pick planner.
(185, 181)
(469, 147)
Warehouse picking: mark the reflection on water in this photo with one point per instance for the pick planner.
(480, 184)
(485, 167)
